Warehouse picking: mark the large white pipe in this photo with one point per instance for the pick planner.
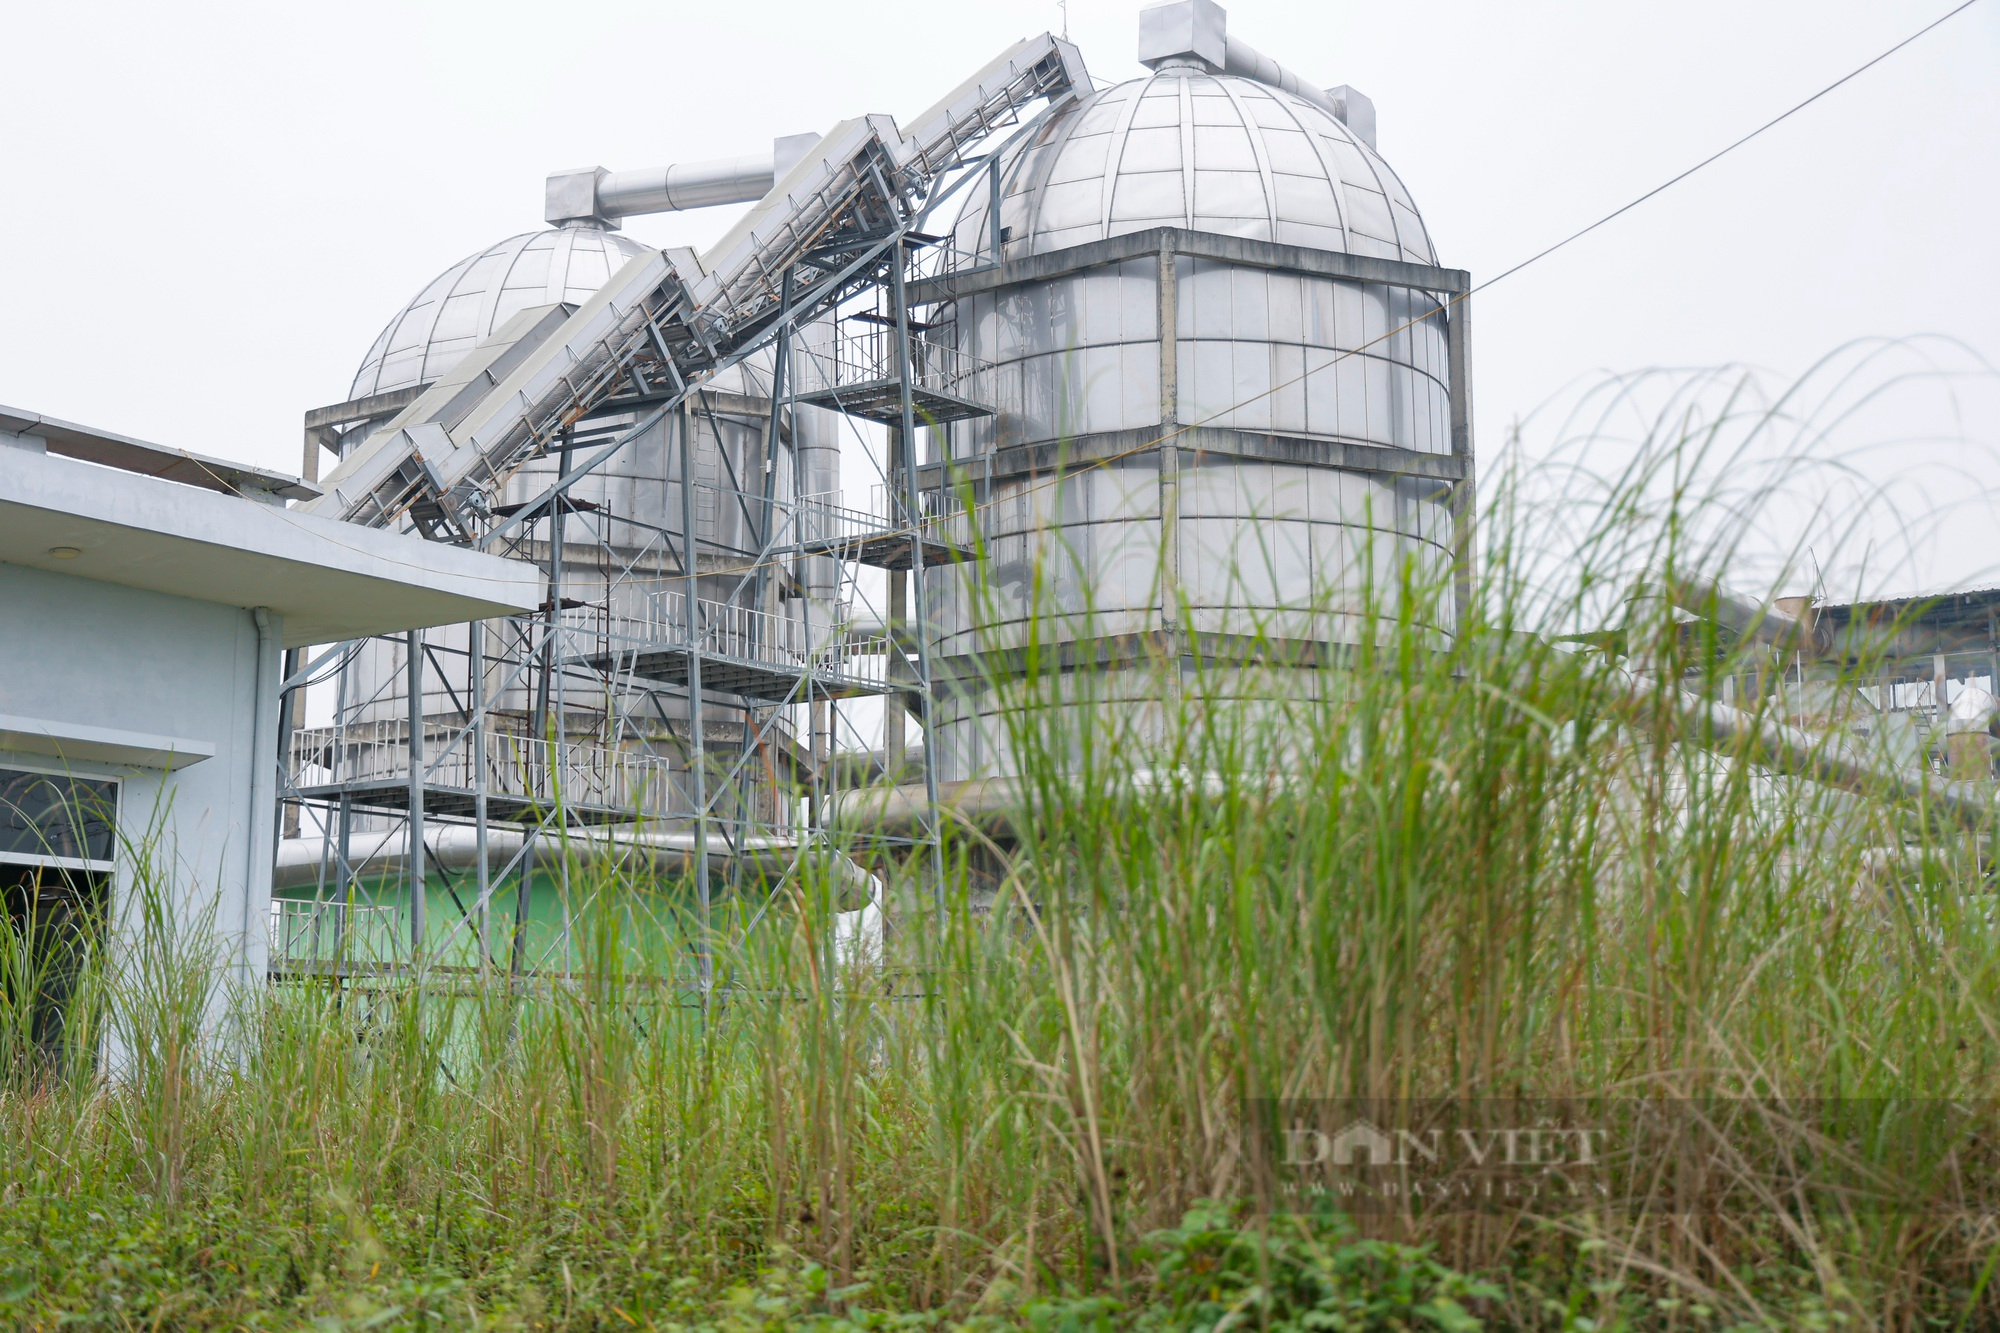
(1772, 625)
(1820, 757)
(1195, 33)
(263, 780)
(308, 863)
(1247, 62)
(985, 803)
(726, 180)
(592, 194)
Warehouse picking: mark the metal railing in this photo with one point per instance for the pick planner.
(782, 643)
(865, 354)
(945, 256)
(520, 768)
(824, 520)
(329, 930)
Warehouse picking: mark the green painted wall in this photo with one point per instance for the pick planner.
(644, 921)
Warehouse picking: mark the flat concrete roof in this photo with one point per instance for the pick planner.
(329, 580)
(152, 460)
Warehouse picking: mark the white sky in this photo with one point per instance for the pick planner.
(208, 210)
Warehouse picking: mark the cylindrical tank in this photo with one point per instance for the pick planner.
(622, 545)
(1237, 365)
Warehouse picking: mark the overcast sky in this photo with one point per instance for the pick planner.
(208, 210)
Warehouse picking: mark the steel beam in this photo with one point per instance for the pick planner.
(1238, 250)
(1077, 452)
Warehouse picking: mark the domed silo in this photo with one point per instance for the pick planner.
(620, 548)
(1226, 383)
(480, 293)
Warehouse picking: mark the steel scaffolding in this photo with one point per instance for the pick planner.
(674, 701)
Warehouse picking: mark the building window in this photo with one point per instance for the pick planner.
(58, 838)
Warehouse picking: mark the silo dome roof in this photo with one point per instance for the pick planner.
(483, 291)
(1216, 153)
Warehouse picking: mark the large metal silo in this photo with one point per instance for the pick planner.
(1224, 370)
(621, 539)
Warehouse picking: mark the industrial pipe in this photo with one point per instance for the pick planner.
(988, 803)
(1806, 632)
(301, 862)
(594, 195)
(1247, 62)
(1195, 33)
(726, 180)
(1819, 757)
(1773, 625)
(264, 676)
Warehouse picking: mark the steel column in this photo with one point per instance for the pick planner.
(475, 648)
(414, 852)
(917, 588)
(1464, 493)
(698, 763)
(1169, 448)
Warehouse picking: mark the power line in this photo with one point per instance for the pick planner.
(1721, 153)
(1502, 276)
(1535, 258)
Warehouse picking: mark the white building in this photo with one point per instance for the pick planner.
(146, 598)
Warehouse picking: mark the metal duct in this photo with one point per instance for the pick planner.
(1194, 33)
(726, 180)
(816, 436)
(592, 194)
(1356, 111)
(1246, 61)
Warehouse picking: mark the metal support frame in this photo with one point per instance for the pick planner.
(894, 737)
(476, 669)
(1464, 494)
(914, 515)
(697, 715)
(414, 670)
(537, 654)
(661, 374)
(1170, 452)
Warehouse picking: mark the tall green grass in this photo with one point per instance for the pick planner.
(1496, 865)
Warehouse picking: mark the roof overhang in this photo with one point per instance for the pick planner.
(329, 580)
(153, 460)
(70, 741)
